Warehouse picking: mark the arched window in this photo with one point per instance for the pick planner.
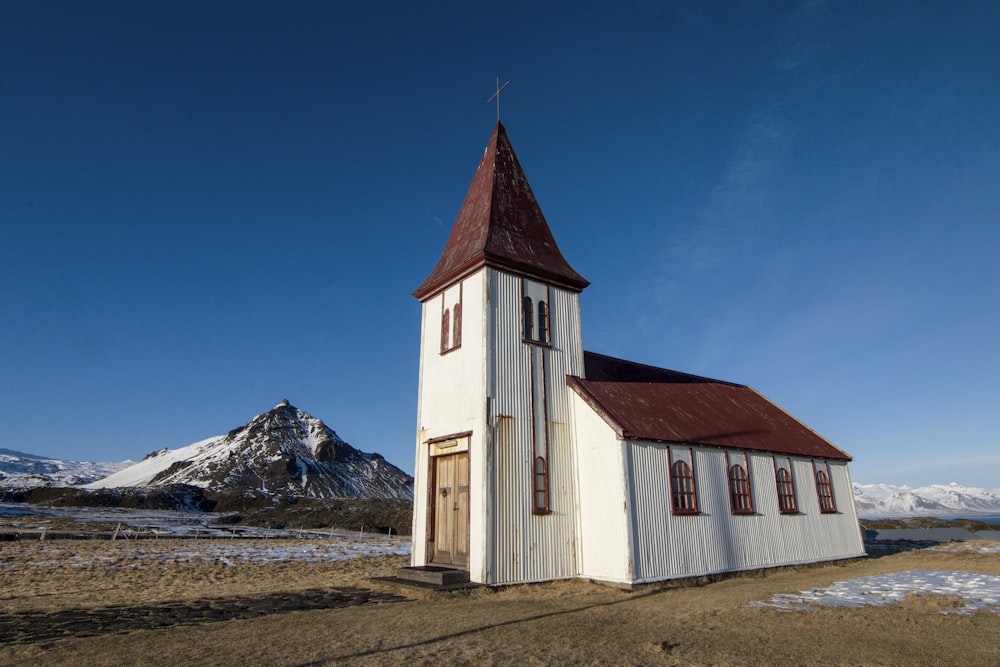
(456, 339)
(445, 329)
(825, 492)
(541, 485)
(786, 491)
(528, 316)
(739, 490)
(682, 490)
(543, 322)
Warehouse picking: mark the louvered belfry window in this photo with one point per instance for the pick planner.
(445, 330)
(456, 339)
(528, 317)
(543, 322)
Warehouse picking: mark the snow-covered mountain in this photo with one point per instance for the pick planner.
(283, 452)
(886, 500)
(20, 471)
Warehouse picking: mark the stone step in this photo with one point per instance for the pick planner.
(433, 574)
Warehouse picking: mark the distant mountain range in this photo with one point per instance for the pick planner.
(25, 471)
(941, 500)
(283, 452)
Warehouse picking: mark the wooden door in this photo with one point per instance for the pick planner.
(450, 533)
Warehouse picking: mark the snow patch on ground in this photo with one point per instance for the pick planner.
(981, 591)
(966, 547)
(137, 554)
(126, 523)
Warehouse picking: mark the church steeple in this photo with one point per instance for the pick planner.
(501, 225)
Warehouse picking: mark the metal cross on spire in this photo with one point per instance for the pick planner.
(497, 96)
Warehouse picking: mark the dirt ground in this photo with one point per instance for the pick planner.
(86, 602)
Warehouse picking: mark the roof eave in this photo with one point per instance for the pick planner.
(433, 287)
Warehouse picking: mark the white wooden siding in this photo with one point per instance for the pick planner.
(450, 400)
(604, 527)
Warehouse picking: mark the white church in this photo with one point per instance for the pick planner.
(537, 460)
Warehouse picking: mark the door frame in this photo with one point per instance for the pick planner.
(453, 445)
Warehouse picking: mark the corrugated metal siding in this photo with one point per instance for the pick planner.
(668, 546)
(528, 547)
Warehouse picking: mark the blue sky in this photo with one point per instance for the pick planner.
(209, 207)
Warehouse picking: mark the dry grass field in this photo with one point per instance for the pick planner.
(176, 602)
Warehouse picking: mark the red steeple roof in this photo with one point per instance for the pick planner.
(501, 225)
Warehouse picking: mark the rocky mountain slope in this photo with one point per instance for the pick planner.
(283, 452)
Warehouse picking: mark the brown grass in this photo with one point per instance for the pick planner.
(118, 610)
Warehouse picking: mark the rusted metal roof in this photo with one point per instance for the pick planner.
(501, 225)
(647, 403)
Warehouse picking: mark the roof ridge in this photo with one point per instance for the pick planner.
(609, 367)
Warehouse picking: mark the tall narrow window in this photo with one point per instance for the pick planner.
(682, 489)
(528, 316)
(543, 322)
(456, 339)
(541, 485)
(445, 329)
(825, 492)
(739, 490)
(786, 491)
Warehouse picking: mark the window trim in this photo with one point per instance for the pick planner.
(456, 324)
(527, 318)
(540, 492)
(445, 328)
(543, 323)
(536, 316)
(451, 322)
(687, 496)
(740, 487)
(826, 483)
(787, 502)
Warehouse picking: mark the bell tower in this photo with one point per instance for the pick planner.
(494, 484)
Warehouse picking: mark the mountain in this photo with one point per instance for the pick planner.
(886, 500)
(20, 471)
(282, 452)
